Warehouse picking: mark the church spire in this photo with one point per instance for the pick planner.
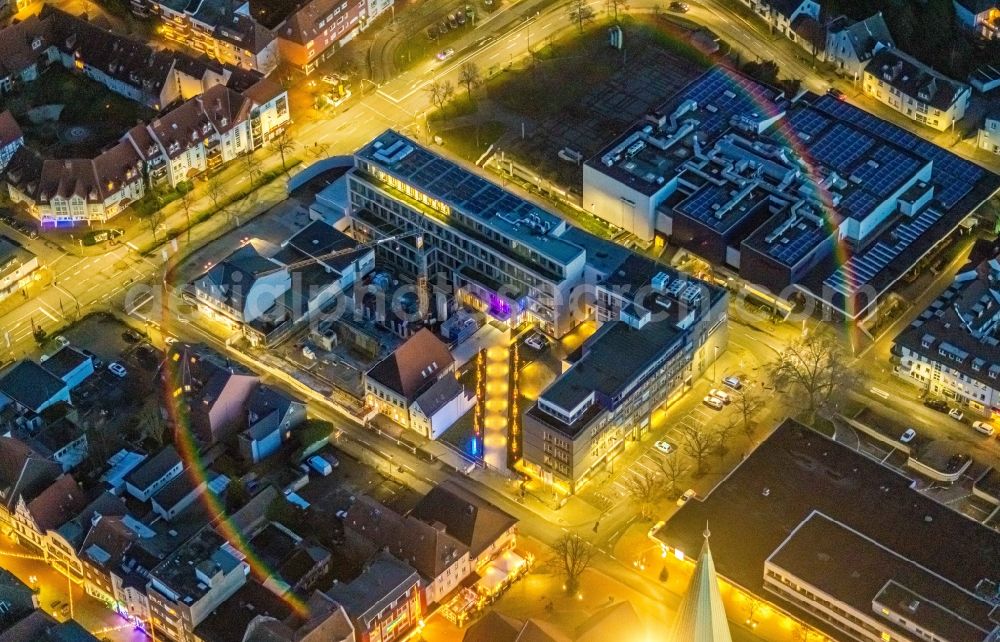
(702, 617)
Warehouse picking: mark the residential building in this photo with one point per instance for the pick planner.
(154, 473)
(11, 138)
(978, 16)
(271, 417)
(713, 170)
(21, 47)
(658, 330)
(415, 386)
(192, 582)
(318, 28)
(64, 544)
(119, 466)
(230, 620)
(39, 626)
(62, 439)
(850, 44)
(266, 297)
(101, 555)
(223, 30)
(326, 621)
(17, 267)
(781, 14)
(501, 254)
(177, 495)
(952, 349)
(32, 388)
(233, 112)
(293, 564)
(441, 560)
(207, 391)
(50, 509)
(484, 528)
(17, 599)
(845, 544)
(915, 90)
(988, 137)
(71, 365)
(384, 602)
(24, 474)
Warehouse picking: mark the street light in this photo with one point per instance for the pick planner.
(715, 364)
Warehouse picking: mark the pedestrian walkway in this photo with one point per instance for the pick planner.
(495, 417)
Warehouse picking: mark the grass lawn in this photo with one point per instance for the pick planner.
(105, 114)
(470, 141)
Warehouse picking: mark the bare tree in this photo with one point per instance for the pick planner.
(644, 489)
(216, 193)
(572, 557)
(580, 13)
(723, 433)
(440, 92)
(673, 469)
(469, 76)
(155, 219)
(813, 373)
(748, 402)
(698, 445)
(251, 167)
(614, 6)
(284, 145)
(185, 191)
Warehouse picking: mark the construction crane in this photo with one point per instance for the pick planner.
(291, 267)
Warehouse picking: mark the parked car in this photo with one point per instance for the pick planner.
(664, 447)
(936, 404)
(117, 369)
(679, 7)
(131, 336)
(537, 341)
(683, 499)
(956, 414)
(333, 461)
(446, 54)
(331, 79)
(983, 427)
(320, 465)
(93, 358)
(62, 341)
(733, 382)
(907, 436)
(460, 16)
(721, 395)
(836, 93)
(432, 32)
(453, 22)
(713, 402)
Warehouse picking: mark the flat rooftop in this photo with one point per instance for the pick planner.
(797, 471)
(522, 227)
(717, 96)
(859, 571)
(204, 554)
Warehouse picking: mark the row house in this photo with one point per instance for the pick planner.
(220, 29)
(11, 138)
(915, 90)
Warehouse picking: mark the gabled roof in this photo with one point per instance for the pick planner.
(914, 78)
(438, 395)
(429, 550)
(10, 131)
(57, 504)
(230, 280)
(106, 505)
(30, 385)
(153, 468)
(21, 44)
(42, 627)
(107, 541)
(23, 472)
(865, 35)
(493, 627)
(467, 517)
(414, 366)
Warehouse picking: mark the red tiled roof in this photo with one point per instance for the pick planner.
(10, 131)
(414, 366)
(58, 503)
